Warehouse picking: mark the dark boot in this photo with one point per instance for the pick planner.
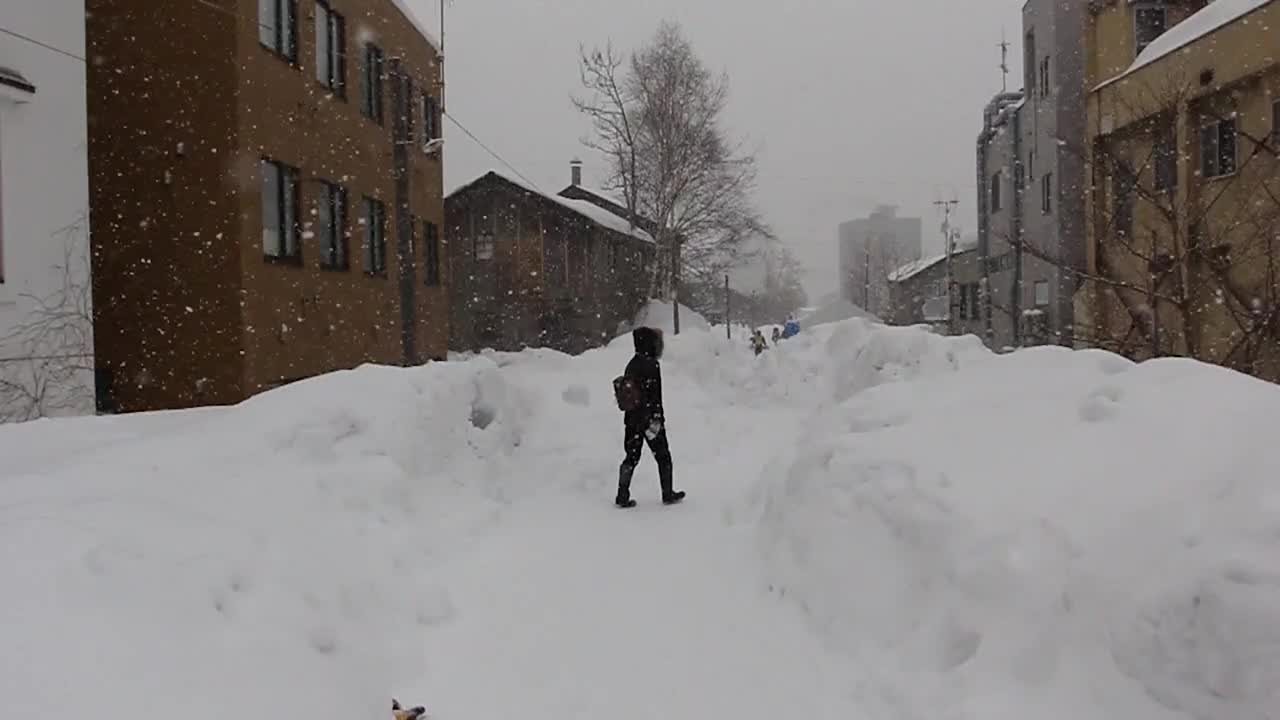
(669, 496)
(624, 487)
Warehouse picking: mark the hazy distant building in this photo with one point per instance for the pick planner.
(870, 249)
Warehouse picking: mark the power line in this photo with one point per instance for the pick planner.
(46, 46)
(489, 150)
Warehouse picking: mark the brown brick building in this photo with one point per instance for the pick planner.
(536, 270)
(265, 192)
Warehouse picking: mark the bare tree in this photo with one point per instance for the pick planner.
(46, 360)
(1183, 264)
(656, 118)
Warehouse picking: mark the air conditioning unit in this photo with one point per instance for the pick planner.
(433, 147)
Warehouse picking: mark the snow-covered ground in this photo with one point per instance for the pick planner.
(882, 523)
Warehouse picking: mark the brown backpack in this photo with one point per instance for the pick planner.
(627, 392)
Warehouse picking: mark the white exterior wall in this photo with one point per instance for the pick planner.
(44, 208)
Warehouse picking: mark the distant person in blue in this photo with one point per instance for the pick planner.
(791, 329)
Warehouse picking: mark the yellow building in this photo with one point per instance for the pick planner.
(1183, 203)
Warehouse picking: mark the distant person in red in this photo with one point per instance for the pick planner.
(639, 393)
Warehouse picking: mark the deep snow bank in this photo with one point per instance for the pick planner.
(249, 561)
(1047, 533)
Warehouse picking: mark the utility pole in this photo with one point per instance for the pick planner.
(948, 244)
(442, 106)
(1004, 62)
(728, 323)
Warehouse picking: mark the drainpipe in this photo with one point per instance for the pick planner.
(1015, 230)
(400, 105)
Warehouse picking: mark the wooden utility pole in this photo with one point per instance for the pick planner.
(728, 323)
(948, 248)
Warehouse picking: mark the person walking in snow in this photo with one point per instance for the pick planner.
(791, 329)
(777, 334)
(639, 393)
(758, 342)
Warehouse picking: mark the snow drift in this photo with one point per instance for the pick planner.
(226, 562)
(883, 523)
(1050, 533)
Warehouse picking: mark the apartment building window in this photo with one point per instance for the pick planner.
(1123, 180)
(484, 246)
(975, 301)
(280, 230)
(1044, 77)
(331, 49)
(1046, 193)
(1029, 64)
(1165, 158)
(371, 83)
(995, 192)
(278, 27)
(431, 240)
(406, 107)
(332, 219)
(1149, 22)
(1275, 127)
(1042, 294)
(375, 236)
(1218, 148)
(430, 118)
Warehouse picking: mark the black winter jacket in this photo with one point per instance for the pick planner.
(645, 369)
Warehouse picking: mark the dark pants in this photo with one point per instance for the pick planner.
(633, 443)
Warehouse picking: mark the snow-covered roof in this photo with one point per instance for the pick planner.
(421, 27)
(915, 267)
(1212, 17)
(595, 214)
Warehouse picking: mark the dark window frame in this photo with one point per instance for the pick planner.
(372, 77)
(1215, 136)
(335, 63)
(431, 254)
(1046, 194)
(283, 42)
(335, 247)
(375, 237)
(1275, 127)
(287, 204)
(1152, 10)
(994, 202)
(430, 117)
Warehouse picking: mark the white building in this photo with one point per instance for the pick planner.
(46, 341)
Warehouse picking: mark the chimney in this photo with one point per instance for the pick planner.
(575, 172)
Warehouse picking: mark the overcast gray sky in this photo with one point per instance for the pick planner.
(850, 102)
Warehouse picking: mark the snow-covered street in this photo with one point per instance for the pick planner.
(848, 549)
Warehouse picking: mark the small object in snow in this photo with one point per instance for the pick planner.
(413, 713)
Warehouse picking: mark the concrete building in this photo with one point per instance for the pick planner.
(918, 293)
(1183, 231)
(872, 247)
(1052, 155)
(46, 337)
(267, 192)
(1018, 280)
(537, 270)
(1030, 159)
